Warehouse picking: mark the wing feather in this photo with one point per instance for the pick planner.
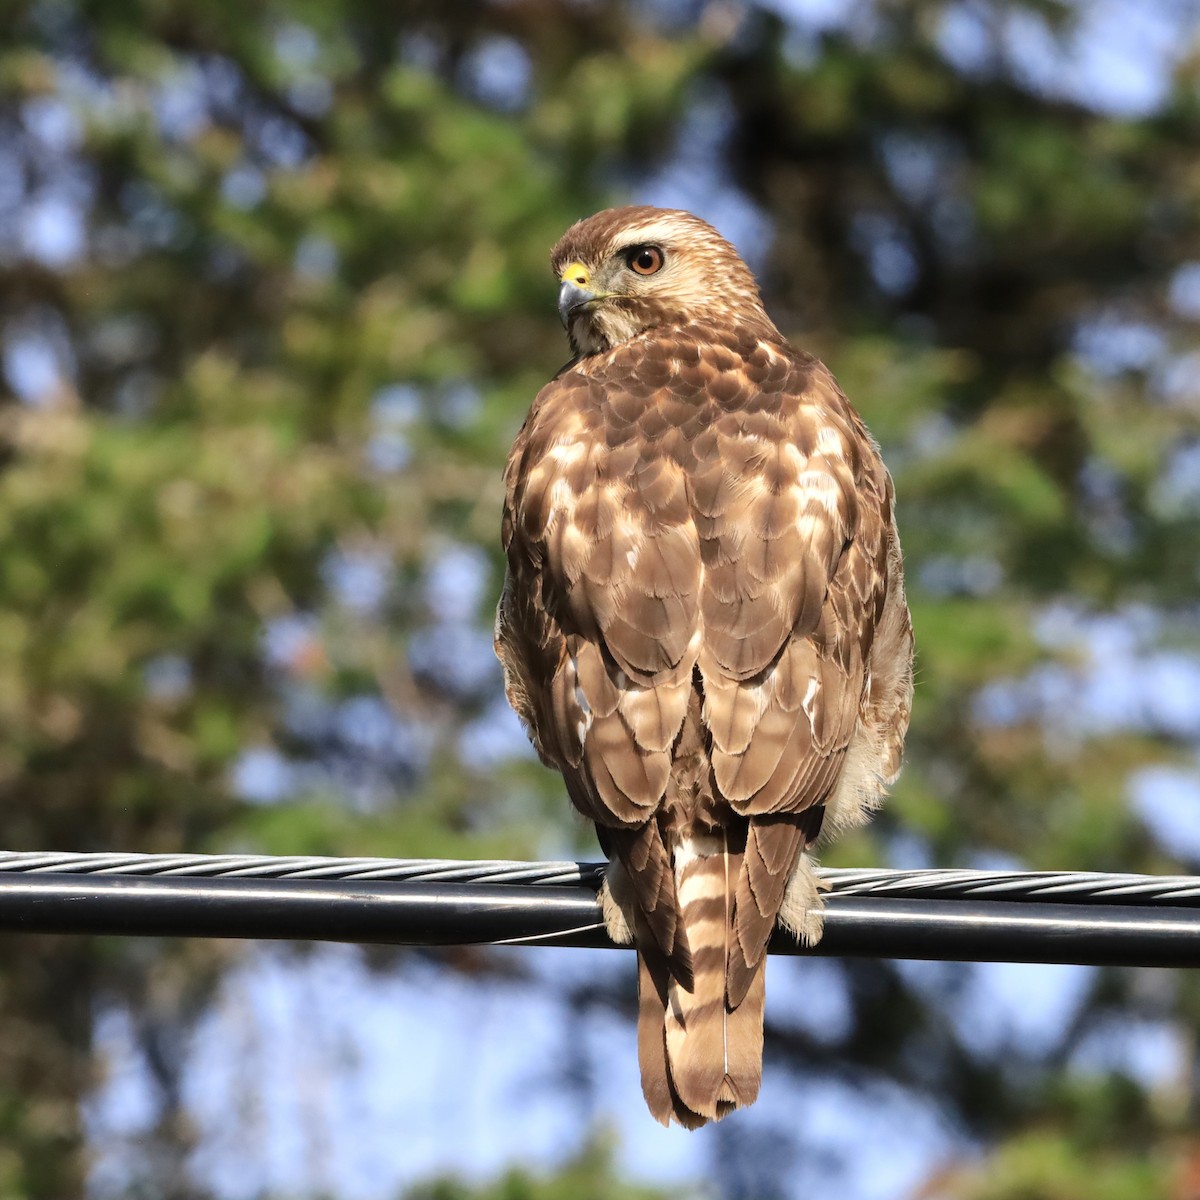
(602, 538)
(794, 532)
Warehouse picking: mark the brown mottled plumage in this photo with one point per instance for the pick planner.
(703, 626)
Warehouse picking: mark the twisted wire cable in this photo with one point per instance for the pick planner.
(946, 884)
(265, 866)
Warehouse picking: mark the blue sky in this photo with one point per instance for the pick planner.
(313, 1072)
(334, 1074)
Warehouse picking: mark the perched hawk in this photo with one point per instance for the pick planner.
(703, 626)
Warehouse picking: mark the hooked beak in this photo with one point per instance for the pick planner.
(570, 297)
(575, 292)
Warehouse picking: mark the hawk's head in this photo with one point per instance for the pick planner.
(627, 270)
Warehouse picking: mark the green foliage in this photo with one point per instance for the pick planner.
(589, 1176)
(1046, 1166)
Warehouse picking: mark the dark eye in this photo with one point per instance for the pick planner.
(645, 260)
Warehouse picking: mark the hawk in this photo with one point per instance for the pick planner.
(703, 626)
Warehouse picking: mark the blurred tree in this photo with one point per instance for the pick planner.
(273, 299)
(590, 1175)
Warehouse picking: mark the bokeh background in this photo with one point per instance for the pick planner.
(274, 296)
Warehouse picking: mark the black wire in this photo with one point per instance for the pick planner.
(439, 914)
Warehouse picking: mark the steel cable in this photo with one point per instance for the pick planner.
(1060, 886)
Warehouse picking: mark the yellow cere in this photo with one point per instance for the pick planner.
(576, 273)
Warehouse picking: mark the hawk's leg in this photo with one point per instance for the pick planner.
(617, 904)
(802, 912)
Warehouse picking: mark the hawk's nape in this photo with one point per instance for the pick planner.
(703, 626)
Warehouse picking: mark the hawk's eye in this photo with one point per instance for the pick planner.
(645, 260)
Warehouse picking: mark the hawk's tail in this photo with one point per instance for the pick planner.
(700, 1058)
